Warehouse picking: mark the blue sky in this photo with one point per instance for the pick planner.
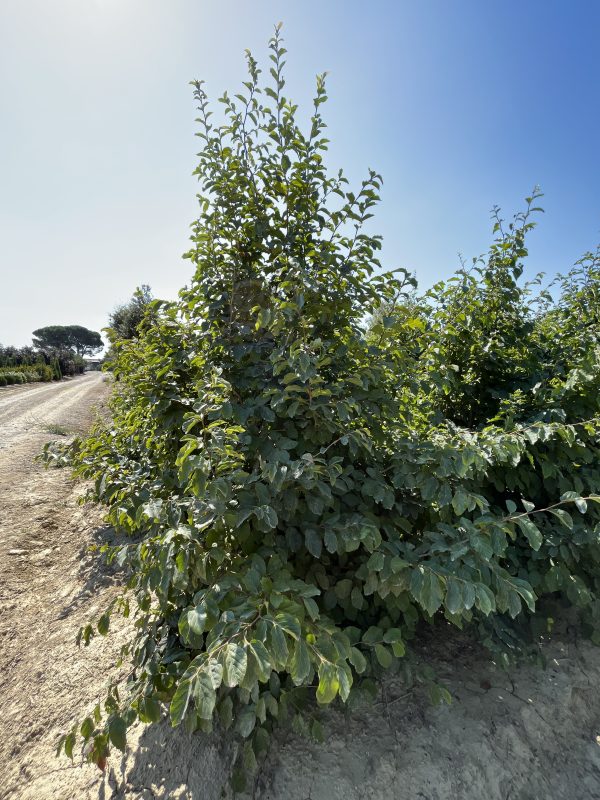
(459, 105)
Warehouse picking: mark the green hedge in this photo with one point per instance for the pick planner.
(25, 374)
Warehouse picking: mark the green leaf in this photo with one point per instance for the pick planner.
(485, 600)
(565, 518)
(236, 662)
(392, 635)
(180, 702)
(152, 509)
(331, 542)
(215, 671)
(149, 710)
(263, 659)
(300, 664)
(383, 656)
(399, 649)
(268, 515)
(249, 758)
(343, 588)
(356, 598)
(460, 502)
(581, 505)
(376, 562)
(103, 624)
(117, 733)
(197, 619)
(313, 543)
(372, 635)
(358, 661)
(204, 695)
(439, 695)
(225, 711)
(431, 593)
(289, 624)
(398, 564)
(454, 596)
(328, 684)
(69, 744)
(514, 604)
(238, 780)
(533, 535)
(279, 646)
(311, 607)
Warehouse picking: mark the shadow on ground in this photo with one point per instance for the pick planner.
(94, 573)
(532, 734)
(168, 763)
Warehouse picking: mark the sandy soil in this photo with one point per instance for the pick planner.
(49, 586)
(530, 735)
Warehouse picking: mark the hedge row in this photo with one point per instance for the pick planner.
(29, 374)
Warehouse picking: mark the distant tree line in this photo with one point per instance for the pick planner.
(57, 351)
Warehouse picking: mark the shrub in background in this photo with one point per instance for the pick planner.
(303, 495)
(46, 372)
(38, 365)
(56, 370)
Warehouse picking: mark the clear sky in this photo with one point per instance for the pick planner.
(460, 105)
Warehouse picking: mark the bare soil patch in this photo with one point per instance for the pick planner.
(530, 735)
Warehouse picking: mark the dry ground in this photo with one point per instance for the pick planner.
(48, 587)
(528, 736)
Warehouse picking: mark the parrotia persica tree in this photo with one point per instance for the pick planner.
(301, 493)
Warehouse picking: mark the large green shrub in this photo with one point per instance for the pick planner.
(301, 494)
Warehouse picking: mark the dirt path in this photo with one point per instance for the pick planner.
(47, 589)
(531, 735)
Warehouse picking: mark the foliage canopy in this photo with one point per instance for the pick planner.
(68, 337)
(302, 494)
(125, 320)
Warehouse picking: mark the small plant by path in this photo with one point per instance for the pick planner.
(57, 429)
